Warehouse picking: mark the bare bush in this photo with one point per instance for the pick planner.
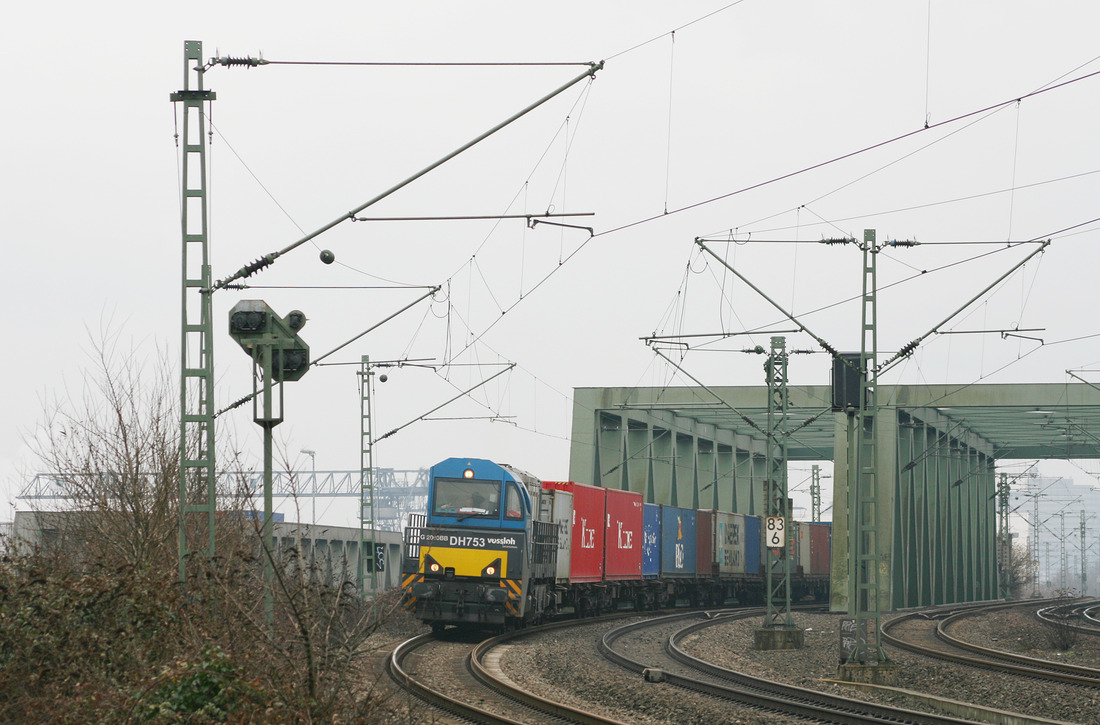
(114, 450)
(95, 625)
(1059, 630)
(1020, 571)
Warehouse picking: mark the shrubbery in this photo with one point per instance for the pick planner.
(115, 646)
(95, 626)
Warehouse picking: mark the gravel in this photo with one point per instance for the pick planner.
(567, 665)
(730, 645)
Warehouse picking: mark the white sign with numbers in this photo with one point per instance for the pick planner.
(775, 532)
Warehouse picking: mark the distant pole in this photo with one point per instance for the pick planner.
(1084, 577)
(313, 464)
(1005, 537)
(1035, 593)
(1063, 558)
(815, 492)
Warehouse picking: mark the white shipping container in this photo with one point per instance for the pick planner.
(563, 517)
(729, 543)
(803, 558)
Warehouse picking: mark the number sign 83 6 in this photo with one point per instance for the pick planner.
(775, 532)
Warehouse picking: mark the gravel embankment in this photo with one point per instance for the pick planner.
(567, 665)
(730, 645)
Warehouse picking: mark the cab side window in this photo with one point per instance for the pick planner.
(513, 504)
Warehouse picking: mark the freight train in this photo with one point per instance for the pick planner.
(498, 548)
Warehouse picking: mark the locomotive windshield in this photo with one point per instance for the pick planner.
(467, 497)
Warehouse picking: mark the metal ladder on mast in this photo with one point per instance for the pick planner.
(864, 552)
(367, 555)
(197, 477)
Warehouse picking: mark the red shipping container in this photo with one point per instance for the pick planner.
(704, 546)
(623, 535)
(586, 555)
(820, 546)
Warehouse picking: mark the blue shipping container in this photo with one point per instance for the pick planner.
(678, 542)
(754, 562)
(651, 541)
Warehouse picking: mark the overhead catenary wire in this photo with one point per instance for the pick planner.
(448, 402)
(926, 146)
(472, 217)
(848, 155)
(531, 219)
(375, 326)
(678, 27)
(806, 169)
(948, 265)
(641, 221)
(270, 258)
(254, 62)
(331, 286)
(571, 255)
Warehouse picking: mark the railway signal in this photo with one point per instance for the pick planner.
(280, 355)
(256, 327)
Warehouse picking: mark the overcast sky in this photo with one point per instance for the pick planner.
(685, 134)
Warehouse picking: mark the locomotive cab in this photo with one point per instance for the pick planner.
(477, 502)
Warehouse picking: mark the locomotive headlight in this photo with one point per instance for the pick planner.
(468, 473)
(490, 570)
(434, 567)
(493, 570)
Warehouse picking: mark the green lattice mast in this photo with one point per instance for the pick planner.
(196, 469)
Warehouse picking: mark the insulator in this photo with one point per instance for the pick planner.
(231, 61)
(837, 240)
(251, 269)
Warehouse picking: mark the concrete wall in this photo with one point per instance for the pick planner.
(329, 553)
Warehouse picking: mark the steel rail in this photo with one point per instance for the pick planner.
(1085, 611)
(759, 692)
(475, 663)
(858, 708)
(991, 659)
(397, 672)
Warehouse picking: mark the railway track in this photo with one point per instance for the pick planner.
(1080, 616)
(477, 689)
(928, 634)
(468, 679)
(660, 658)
